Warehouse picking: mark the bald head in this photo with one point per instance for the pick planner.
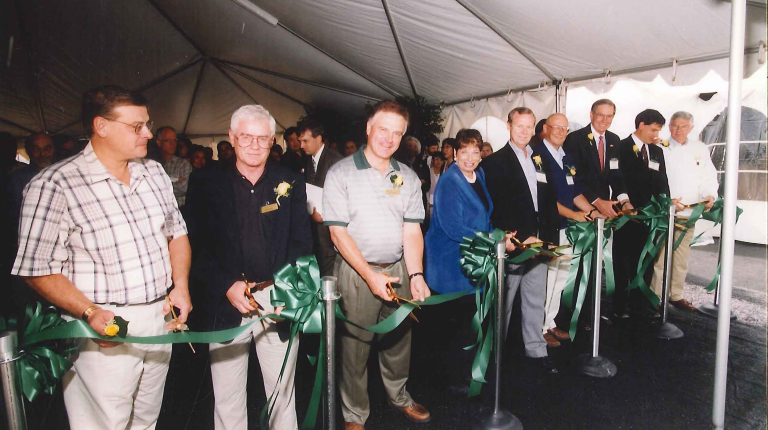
(39, 147)
(556, 129)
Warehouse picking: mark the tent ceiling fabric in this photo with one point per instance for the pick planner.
(61, 49)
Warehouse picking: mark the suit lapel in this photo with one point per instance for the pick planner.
(225, 197)
(518, 173)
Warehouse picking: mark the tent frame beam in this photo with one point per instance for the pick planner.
(295, 79)
(506, 38)
(338, 60)
(194, 96)
(646, 68)
(19, 126)
(258, 82)
(399, 47)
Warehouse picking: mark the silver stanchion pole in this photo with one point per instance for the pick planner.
(713, 309)
(667, 330)
(500, 419)
(593, 364)
(9, 372)
(330, 296)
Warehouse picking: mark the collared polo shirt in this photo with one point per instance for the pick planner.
(372, 208)
(108, 238)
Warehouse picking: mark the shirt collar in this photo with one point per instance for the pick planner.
(674, 143)
(97, 172)
(555, 152)
(518, 151)
(317, 155)
(361, 163)
(595, 133)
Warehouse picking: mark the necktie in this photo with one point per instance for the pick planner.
(314, 171)
(645, 155)
(601, 152)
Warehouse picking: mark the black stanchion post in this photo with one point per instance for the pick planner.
(9, 372)
(593, 364)
(667, 330)
(500, 419)
(712, 309)
(330, 296)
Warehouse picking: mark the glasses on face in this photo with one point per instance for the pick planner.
(136, 126)
(603, 116)
(680, 127)
(246, 140)
(562, 128)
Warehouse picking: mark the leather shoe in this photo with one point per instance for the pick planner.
(559, 334)
(416, 413)
(545, 364)
(551, 341)
(353, 426)
(683, 304)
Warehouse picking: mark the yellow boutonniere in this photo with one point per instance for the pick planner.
(570, 169)
(283, 189)
(117, 327)
(591, 138)
(397, 180)
(636, 149)
(537, 160)
(665, 143)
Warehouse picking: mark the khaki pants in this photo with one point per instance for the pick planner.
(679, 267)
(229, 372)
(121, 387)
(365, 309)
(557, 275)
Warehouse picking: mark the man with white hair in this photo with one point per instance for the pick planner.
(245, 223)
(692, 179)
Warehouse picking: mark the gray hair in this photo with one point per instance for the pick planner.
(412, 138)
(681, 115)
(252, 112)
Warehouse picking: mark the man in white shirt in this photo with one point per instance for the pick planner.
(692, 179)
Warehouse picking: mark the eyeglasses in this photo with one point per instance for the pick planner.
(136, 127)
(564, 128)
(246, 140)
(680, 127)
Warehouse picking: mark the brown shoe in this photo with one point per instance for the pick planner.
(551, 341)
(353, 426)
(683, 304)
(416, 413)
(559, 334)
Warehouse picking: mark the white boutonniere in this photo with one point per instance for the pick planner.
(283, 189)
(396, 179)
(591, 138)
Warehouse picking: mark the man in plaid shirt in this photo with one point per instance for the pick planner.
(101, 235)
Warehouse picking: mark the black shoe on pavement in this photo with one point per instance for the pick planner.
(546, 364)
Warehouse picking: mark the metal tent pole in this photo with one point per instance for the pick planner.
(736, 72)
(711, 309)
(11, 380)
(330, 296)
(593, 364)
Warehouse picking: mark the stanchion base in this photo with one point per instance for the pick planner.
(596, 367)
(712, 310)
(668, 331)
(502, 420)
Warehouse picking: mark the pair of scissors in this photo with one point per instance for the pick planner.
(397, 299)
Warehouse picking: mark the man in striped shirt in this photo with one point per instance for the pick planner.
(101, 235)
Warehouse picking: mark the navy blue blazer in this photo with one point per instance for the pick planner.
(458, 212)
(565, 192)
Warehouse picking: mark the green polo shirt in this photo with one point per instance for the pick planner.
(372, 208)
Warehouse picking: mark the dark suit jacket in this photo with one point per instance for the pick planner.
(512, 202)
(641, 181)
(593, 182)
(217, 259)
(328, 158)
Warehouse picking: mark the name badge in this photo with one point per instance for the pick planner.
(653, 165)
(269, 208)
(541, 177)
(392, 192)
(569, 180)
(614, 163)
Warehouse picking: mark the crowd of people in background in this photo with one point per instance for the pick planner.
(112, 226)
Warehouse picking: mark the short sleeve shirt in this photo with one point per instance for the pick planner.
(372, 207)
(108, 238)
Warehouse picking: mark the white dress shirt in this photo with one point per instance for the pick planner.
(316, 157)
(529, 169)
(692, 176)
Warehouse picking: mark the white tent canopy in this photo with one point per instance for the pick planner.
(197, 61)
